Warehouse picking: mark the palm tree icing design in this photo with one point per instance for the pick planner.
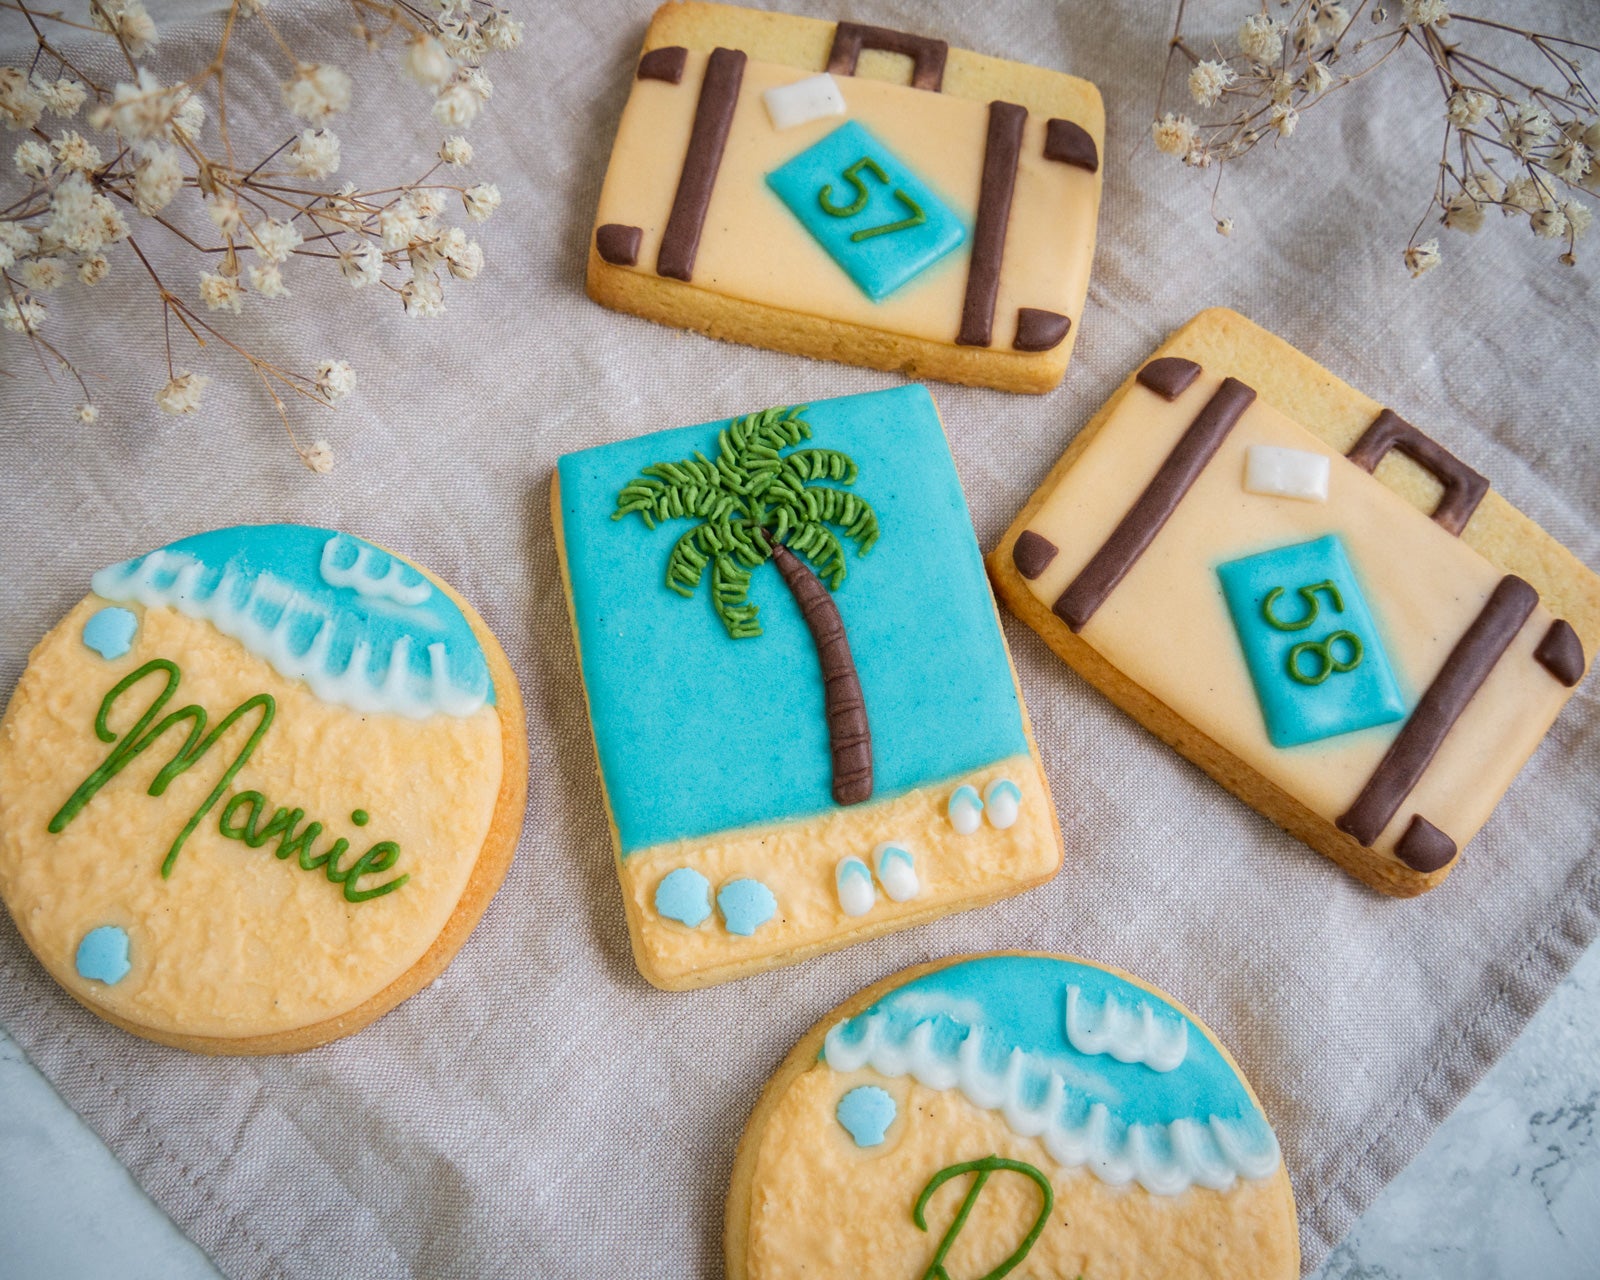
(753, 504)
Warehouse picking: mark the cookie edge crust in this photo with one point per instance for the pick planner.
(805, 1054)
(488, 873)
(1223, 339)
(804, 42)
(745, 968)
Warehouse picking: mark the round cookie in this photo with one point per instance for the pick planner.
(1012, 1112)
(258, 787)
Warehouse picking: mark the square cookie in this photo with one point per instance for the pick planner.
(776, 180)
(808, 728)
(1238, 551)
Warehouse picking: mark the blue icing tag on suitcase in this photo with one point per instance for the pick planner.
(1314, 653)
(867, 209)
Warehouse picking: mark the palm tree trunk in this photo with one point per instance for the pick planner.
(849, 736)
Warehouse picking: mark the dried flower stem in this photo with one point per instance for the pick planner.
(1542, 140)
(267, 213)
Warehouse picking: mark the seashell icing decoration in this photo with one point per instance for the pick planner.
(746, 905)
(103, 955)
(684, 895)
(866, 1114)
(1129, 1033)
(965, 810)
(857, 894)
(897, 872)
(1002, 800)
(110, 632)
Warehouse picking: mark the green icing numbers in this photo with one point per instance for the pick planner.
(852, 175)
(983, 1169)
(1313, 605)
(867, 209)
(240, 818)
(1326, 663)
(1313, 648)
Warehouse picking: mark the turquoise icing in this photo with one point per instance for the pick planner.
(878, 263)
(1297, 712)
(360, 628)
(109, 632)
(103, 955)
(995, 1028)
(684, 895)
(699, 733)
(866, 1113)
(1005, 787)
(746, 905)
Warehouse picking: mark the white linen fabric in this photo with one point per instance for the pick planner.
(541, 1110)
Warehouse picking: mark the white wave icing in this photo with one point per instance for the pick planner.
(388, 585)
(1128, 1034)
(1165, 1159)
(400, 690)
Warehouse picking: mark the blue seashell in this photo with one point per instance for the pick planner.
(110, 632)
(103, 955)
(866, 1113)
(684, 895)
(746, 905)
(965, 810)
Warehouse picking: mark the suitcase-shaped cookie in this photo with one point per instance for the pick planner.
(768, 186)
(1243, 584)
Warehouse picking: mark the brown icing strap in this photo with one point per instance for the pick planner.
(1561, 653)
(618, 244)
(1032, 553)
(1169, 377)
(1463, 673)
(849, 736)
(1463, 487)
(1040, 330)
(664, 64)
(1001, 151)
(927, 56)
(1424, 847)
(1154, 507)
(1070, 144)
(713, 116)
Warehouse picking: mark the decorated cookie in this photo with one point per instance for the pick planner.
(1221, 552)
(257, 788)
(778, 181)
(1010, 1114)
(807, 725)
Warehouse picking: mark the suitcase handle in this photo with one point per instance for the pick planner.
(1463, 487)
(927, 56)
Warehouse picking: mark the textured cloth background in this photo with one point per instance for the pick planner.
(541, 1110)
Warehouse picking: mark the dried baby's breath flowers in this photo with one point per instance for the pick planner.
(141, 172)
(1523, 140)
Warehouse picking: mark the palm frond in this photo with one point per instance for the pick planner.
(694, 487)
(730, 590)
(749, 446)
(821, 464)
(794, 503)
(821, 546)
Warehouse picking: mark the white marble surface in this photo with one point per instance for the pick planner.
(1507, 1187)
